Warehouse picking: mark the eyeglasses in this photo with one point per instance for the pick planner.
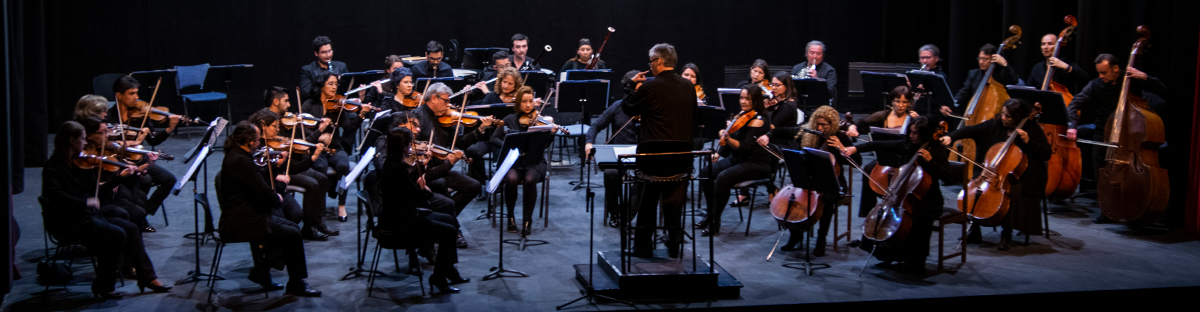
(444, 99)
(776, 85)
(925, 58)
(652, 61)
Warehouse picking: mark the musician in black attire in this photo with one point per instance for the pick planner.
(520, 58)
(441, 177)
(526, 175)
(742, 159)
(399, 218)
(583, 55)
(1002, 73)
(1024, 210)
(402, 84)
(782, 113)
(126, 90)
(433, 66)
(379, 93)
(913, 250)
(300, 173)
(623, 132)
(900, 113)
(814, 52)
(323, 50)
(1069, 75)
(824, 121)
(929, 55)
(1099, 99)
(250, 211)
(759, 73)
(666, 105)
(338, 161)
(499, 61)
(74, 212)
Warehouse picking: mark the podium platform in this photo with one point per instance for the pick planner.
(659, 277)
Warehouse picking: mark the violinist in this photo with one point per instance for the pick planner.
(758, 75)
(323, 51)
(126, 90)
(520, 58)
(912, 251)
(825, 120)
(130, 199)
(814, 54)
(405, 97)
(338, 161)
(527, 175)
(75, 210)
(91, 106)
(433, 66)
(901, 98)
(1003, 74)
(1024, 211)
(691, 72)
(583, 55)
(1099, 98)
(1069, 75)
(623, 132)
(742, 159)
(781, 112)
(251, 211)
(441, 177)
(299, 169)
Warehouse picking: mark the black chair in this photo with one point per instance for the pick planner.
(61, 247)
(220, 248)
(751, 187)
(390, 239)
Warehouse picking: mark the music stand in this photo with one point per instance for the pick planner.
(201, 198)
(1054, 111)
(877, 85)
(531, 147)
(730, 100)
(536, 79)
(813, 91)
(710, 120)
(494, 183)
(587, 74)
(214, 131)
(361, 252)
(479, 58)
(934, 87)
(210, 136)
(455, 83)
(358, 78)
(584, 96)
(590, 290)
(884, 158)
(811, 169)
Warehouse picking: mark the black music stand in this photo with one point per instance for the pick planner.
(730, 100)
(531, 147)
(589, 292)
(584, 96)
(493, 184)
(811, 169)
(710, 120)
(455, 83)
(811, 93)
(885, 158)
(147, 78)
(358, 78)
(201, 198)
(360, 245)
(587, 74)
(479, 58)
(1054, 111)
(934, 88)
(214, 131)
(877, 85)
(536, 79)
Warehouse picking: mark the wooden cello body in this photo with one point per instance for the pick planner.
(796, 205)
(1065, 166)
(989, 96)
(985, 198)
(891, 219)
(1132, 186)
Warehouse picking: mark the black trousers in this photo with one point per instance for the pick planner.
(443, 230)
(672, 196)
(162, 180)
(128, 204)
(110, 238)
(612, 195)
(528, 178)
(828, 208)
(465, 189)
(314, 183)
(283, 246)
(441, 204)
(727, 174)
(340, 163)
(477, 169)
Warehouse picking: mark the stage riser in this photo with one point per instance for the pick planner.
(725, 287)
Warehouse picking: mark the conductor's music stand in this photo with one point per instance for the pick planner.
(934, 88)
(811, 93)
(586, 96)
(811, 169)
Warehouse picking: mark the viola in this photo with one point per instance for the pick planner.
(987, 101)
(158, 113)
(1065, 165)
(127, 135)
(134, 153)
(536, 119)
(91, 161)
(985, 198)
(412, 100)
(290, 119)
(1132, 186)
(467, 118)
(891, 219)
(739, 121)
(297, 146)
(340, 102)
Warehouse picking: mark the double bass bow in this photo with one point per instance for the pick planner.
(1065, 165)
(985, 198)
(989, 96)
(1132, 186)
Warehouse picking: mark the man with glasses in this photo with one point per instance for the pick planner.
(1003, 74)
(814, 53)
(323, 50)
(439, 173)
(929, 55)
(432, 67)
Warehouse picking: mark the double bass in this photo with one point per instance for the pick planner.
(1132, 186)
(985, 198)
(1065, 164)
(989, 96)
(891, 219)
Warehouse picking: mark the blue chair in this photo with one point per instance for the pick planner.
(189, 86)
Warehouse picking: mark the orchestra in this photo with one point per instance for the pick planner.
(421, 190)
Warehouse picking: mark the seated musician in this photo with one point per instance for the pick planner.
(583, 55)
(519, 59)
(691, 72)
(433, 66)
(128, 105)
(129, 200)
(91, 106)
(1003, 74)
(782, 112)
(742, 159)
(528, 175)
(300, 173)
(1069, 75)
(929, 55)
(323, 50)
(499, 61)
(1099, 99)
(74, 211)
(912, 251)
(624, 132)
(508, 80)
(251, 212)
(338, 159)
(1024, 210)
(402, 188)
(404, 98)
(814, 53)
(825, 120)
(442, 177)
(758, 75)
(901, 98)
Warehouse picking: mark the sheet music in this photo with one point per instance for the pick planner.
(895, 131)
(358, 169)
(191, 172)
(626, 150)
(509, 160)
(220, 124)
(540, 128)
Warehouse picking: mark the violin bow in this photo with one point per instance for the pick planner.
(298, 110)
(454, 140)
(150, 105)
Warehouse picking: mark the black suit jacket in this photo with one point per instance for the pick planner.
(246, 199)
(824, 71)
(310, 72)
(422, 69)
(666, 105)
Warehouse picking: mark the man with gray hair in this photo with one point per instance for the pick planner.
(666, 105)
(815, 67)
(439, 175)
(929, 55)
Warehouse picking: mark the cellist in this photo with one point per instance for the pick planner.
(1069, 75)
(825, 120)
(1099, 98)
(1024, 196)
(911, 252)
(1003, 74)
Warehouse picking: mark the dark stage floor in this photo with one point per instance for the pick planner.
(1083, 257)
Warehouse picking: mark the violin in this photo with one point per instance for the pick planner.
(106, 163)
(340, 102)
(989, 97)
(127, 135)
(467, 118)
(508, 98)
(297, 146)
(158, 113)
(765, 85)
(266, 155)
(1065, 165)
(739, 121)
(985, 198)
(891, 219)
(412, 100)
(1132, 186)
(536, 119)
(290, 119)
(134, 153)
(699, 93)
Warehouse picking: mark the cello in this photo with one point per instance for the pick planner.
(891, 219)
(1132, 186)
(989, 95)
(1065, 164)
(985, 198)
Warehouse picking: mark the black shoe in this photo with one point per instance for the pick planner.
(975, 237)
(129, 273)
(482, 197)
(710, 232)
(740, 203)
(443, 286)
(324, 229)
(264, 280)
(149, 229)
(854, 243)
(456, 279)
(313, 235)
(614, 222)
(342, 219)
(1102, 220)
(819, 250)
(512, 225)
(525, 231)
(159, 288)
(1005, 244)
(460, 242)
(673, 250)
(302, 289)
(703, 224)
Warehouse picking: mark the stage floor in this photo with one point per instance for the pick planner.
(1082, 257)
